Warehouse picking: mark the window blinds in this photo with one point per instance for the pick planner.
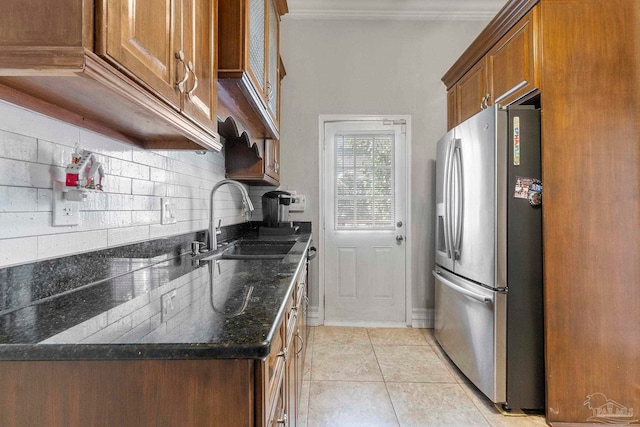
(364, 177)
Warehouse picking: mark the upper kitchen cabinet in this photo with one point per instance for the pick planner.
(168, 45)
(504, 72)
(249, 63)
(141, 71)
(471, 94)
(513, 64)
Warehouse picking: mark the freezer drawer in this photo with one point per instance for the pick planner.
(470, 326)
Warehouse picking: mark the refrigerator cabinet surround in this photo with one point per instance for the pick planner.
(471, 328)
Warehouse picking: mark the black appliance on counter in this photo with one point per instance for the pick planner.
(275, 214)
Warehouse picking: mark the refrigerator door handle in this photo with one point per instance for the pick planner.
(481, 298)
(457, 155)
(448, 238)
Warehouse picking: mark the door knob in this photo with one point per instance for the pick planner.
(399, 238)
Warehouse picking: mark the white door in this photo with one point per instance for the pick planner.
(364, 222)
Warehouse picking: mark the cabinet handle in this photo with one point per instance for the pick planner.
(284, 420)
(276, 166)
(284, 354)
(269, 92)
(181, 83)
(301, 343)
(191, 68)
(484, 104)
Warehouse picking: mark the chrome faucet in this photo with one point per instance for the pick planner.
(247, 206)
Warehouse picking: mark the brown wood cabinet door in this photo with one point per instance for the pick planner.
(143, 37)
(471, 90)
(512, 63)
(198, 46)
(272, 158)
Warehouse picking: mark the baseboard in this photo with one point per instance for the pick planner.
(365, 324)
(313, 316)
(422, 318)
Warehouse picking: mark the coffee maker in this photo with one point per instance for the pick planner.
(275, 213)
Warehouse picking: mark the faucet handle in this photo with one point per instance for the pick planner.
(196, 246)
(218, 230)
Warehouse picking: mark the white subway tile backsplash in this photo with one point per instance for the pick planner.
(149, 158)
(121, 236)
(146, 203)
(21, 224)
(54, 154)
(104, 145)
(34, 151)
(119, 202)
(28, 123)
(128, 169)
(158, 230)
(145, 217)
(117, 184)
(14, 172)
(45, 200)
(55, 245)
(18, 147)
(95, 201)
(18, 251)
(98, 220)
(18, 199)
(148, 188)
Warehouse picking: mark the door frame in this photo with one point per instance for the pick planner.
(326, 118)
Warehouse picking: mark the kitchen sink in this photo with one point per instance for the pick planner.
(259, 250)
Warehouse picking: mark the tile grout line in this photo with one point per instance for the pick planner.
(384, 380)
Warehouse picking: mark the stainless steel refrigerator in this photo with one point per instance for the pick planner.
(488, 288)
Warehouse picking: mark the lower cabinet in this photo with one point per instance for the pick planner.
(280, 375)
(141, 393)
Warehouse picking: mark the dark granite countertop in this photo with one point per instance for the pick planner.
(147, 302)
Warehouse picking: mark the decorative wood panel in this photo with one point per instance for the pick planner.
(127, 393)
(591, 212)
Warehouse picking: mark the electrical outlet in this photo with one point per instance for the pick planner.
(64, 212)
(168, 211)
(168, 304)
(298, 203)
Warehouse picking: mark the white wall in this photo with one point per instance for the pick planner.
(369, 67)
(34, 150)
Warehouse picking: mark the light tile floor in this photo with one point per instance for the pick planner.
(390, 377)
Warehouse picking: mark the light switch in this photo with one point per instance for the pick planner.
(168, 211)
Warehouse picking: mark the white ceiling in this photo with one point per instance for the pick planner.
(394, 9)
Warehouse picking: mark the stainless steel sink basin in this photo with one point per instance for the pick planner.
(259, 250)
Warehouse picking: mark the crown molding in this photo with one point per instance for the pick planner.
(425, 10)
